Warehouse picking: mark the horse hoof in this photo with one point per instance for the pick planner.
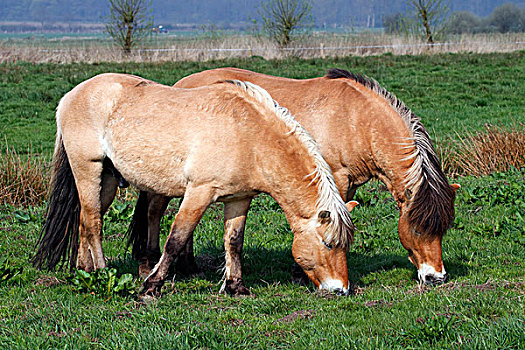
(147, 299)
(151, 289)
(236, 288)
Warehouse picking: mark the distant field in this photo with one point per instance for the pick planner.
(210, 43)
(482, 305)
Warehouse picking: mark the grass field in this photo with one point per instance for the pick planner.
(482, 306)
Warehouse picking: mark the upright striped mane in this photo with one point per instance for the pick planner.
(340, 231)
(431, 210)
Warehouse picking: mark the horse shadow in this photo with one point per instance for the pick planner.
(263, 266)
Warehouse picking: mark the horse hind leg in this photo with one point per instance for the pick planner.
(96, 194)
(149, 253)
(196, 201)
(186, 264)
(234, 223)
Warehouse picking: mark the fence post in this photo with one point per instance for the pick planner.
(322, 50)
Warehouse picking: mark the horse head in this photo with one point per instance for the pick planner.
(423, 241)
(323, 260)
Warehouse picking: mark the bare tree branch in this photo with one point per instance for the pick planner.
(129, 22)
(281, 18)
(430, 16)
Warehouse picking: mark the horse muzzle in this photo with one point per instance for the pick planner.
(335, 286)
(428, 275)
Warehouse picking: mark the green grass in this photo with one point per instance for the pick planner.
(452, 92)
(482, 306)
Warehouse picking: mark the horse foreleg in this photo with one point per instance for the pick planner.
(234, 223)
(193, 206)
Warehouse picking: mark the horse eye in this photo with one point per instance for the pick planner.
(329, 246)
(415, 232)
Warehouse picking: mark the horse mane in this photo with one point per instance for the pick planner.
(340, 232)
(431, 210)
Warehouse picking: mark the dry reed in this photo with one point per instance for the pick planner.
(173, 48)
(481, 153)
(23, 182)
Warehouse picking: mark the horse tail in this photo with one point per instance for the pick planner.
(59, 235)
(138, 227)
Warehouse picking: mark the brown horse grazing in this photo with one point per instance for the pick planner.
(224, 142)
(364, 132)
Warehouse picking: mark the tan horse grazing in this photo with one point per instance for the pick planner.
(364, 132)
(225, 142)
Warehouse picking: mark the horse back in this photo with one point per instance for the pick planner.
(179, 136)
(355, 128)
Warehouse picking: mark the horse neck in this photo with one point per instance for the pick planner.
(391, 147)
(284, 175)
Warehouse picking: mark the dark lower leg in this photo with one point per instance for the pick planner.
(192, 208)
(234, 222)
(186, 264)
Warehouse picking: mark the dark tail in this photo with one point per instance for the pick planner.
(59, 235)
(138, 228)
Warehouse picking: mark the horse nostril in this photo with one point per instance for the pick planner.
(434, 280)
(341, 292)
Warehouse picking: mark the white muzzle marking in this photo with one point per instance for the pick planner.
(334, 286)
(427, 270)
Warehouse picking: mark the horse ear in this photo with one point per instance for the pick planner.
(324, 216)
(351, 205)
(455, 187)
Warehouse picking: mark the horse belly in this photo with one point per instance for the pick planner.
(149, 164)
(163, 176)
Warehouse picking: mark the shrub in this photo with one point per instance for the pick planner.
(507, 18)
(463, 22)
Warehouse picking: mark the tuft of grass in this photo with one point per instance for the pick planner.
(493, 150)
(23, 182)
(481, 153)
(429, 330)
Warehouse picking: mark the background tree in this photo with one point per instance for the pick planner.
(129, 22)
(463, 22)
(394, 23)
(283, 18)
(429, 17)
(507, 18)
